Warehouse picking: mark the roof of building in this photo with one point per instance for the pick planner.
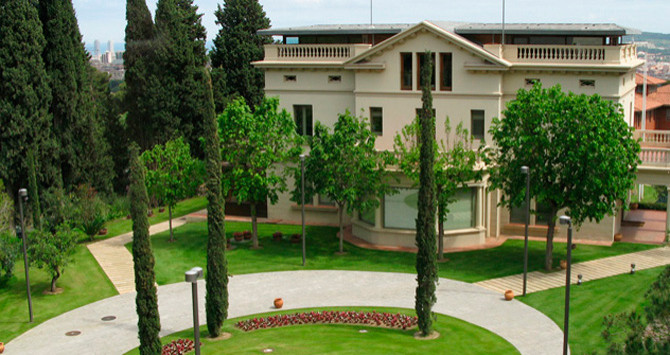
(639, 80)
(391, 28)
(652, 103)
(595, 29)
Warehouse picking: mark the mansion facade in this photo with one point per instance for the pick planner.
(373, 71)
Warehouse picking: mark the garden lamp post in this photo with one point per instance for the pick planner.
(567, 220)
(21, 233)
(302, 203)
(192, 276)
(526, 170)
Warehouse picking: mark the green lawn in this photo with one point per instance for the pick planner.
(172, 259)
(83, 282)
(457, 337)
(592, 301)
(123, 225)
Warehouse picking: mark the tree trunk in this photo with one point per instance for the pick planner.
(170, 223)
(54, 278)
(548, 257)
(340, 207)
(254, 226)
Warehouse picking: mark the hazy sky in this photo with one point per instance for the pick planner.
(105, 19)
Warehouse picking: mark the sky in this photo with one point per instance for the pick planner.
(105, 19)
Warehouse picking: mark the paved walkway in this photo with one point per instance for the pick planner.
(590, 270)
(524, 327)
(117, 262)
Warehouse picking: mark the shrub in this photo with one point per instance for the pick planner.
(388, 320)
(9, 252)
(178, 347)
(652, 206)
(89, 210)
(119, 206)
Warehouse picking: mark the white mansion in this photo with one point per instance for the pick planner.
(373, 71)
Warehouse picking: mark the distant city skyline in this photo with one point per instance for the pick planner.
(105, 20)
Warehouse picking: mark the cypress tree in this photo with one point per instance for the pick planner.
(75, 124)
(33, 190)
(237, 45)
(426, 260)
(25, 96)
(217, 266)
(146, 301)
(142, 85)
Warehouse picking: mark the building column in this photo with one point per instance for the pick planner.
(667, 215)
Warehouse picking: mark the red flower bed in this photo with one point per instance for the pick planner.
(388, 320)
(178, 347)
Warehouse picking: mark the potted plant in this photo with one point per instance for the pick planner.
(509, 295)
(618, 237)
(564, 264)
(150, 213)
(161, 210)
(238, 236)
(277, 236)
(103, 231)
(296, 238)
(247, 235)
(634, 205)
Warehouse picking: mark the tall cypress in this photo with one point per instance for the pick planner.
(142, 84)
(237, 45)
(217, 266)
(25, 96)
(146, 301)
(33, 190)
(75, 124)
(426, 260)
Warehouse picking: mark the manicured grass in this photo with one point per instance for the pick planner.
(456, 337)
(83, 282)
(590, 303)
(189, 250)
(123, 225)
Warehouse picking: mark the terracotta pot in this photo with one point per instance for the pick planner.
(103, 231)
(247, 235)
(277, 237)
(279, 303)
(129, 217)
(634, 206)
(2, 347)
(161, 210)
(618, 237)
(150, 213)
(509, 295)
(564, 264)
(296, 238)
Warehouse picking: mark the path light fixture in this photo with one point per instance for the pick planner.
(526, 170)
(567, 220)
(302, 203)
(21, 233)
(632, 268)
(579, 279)
(192, 276)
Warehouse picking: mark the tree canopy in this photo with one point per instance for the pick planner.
(253, 146)
(344, 165)
(580, 151)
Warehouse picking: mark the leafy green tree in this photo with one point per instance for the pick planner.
(253, 145)
(345, 166)
(25, 96)
(53, 251)
(581, 154)
(455, 165)
(216, 300)
(146, 301)
(426, 262)
(172, 173)
(82, 148)
(86, 210)
(237, 45)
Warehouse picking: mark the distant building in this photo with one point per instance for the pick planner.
(658, 103)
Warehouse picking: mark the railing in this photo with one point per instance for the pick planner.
(655, 156)
(313, 52)
(652, 138)
(529, 53)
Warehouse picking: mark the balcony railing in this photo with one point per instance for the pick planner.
(652, 138)
(313, 52)
(565, 54)
(655, 157)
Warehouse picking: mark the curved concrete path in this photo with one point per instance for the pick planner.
(526, 328)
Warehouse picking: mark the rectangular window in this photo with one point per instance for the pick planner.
(420, 60)
(303, 119)
(334, 78)
(532, 81)
(406, 71)
(518, 214)
(400, 210)
(367, 216)
(477, 119)
(291, 78)
(325, 201)
(542, 212)
(587, 83)
(667, 114)
(376, 120)
(446, 72)
(462, 211)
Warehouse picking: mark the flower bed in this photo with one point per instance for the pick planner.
(178, 347)
(388, 320)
